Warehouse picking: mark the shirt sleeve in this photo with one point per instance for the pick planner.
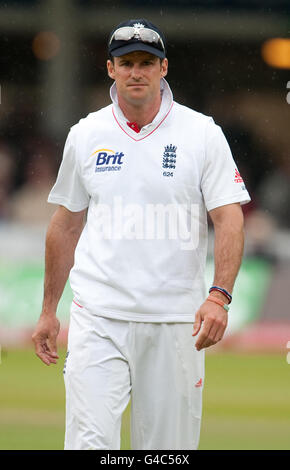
(69, 189)
(221, 182)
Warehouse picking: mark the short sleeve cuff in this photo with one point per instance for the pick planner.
(66, 203)
(242, 198)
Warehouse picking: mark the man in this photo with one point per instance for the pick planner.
(147, 170)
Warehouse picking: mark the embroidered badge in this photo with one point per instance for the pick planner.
(169, 159)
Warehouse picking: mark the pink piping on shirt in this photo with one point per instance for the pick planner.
(137, 140)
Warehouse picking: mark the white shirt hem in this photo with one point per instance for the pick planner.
(139, 317)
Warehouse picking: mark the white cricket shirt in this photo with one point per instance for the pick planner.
(142, 253)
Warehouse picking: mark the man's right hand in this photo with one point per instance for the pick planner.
(44, 338)
(62, 236)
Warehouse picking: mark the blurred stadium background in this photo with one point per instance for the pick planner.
(228, 59)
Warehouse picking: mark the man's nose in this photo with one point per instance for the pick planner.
(136, 72)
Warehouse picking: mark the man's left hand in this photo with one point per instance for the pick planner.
(211, 320)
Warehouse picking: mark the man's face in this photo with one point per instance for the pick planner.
(137, 76)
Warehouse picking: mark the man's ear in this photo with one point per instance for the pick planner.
(111, 69)
(164, 67)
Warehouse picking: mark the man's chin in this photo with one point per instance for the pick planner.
(137, 94)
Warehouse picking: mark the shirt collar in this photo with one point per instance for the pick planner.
(166, 103)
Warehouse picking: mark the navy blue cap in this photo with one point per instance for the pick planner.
(120, 47)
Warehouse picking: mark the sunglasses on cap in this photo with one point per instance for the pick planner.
(131, 32)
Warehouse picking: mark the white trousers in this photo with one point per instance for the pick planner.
(156, 364)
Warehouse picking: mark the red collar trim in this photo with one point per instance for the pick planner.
(137, 140)
(134, 126)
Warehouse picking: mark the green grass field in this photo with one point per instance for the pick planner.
(246, 402)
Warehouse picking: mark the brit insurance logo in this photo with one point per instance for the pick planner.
(169, 159)
(108, 160)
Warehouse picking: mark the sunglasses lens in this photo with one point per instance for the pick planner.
(149, 35)
(124, 34)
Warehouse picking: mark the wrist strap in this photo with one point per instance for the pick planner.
(214, 299)
(223, 291)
